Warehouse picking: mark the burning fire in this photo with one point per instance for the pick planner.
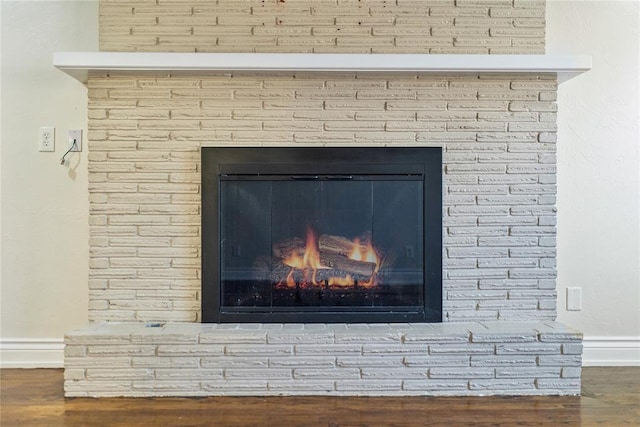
(369, 254)
(341, 282)
(310, 262)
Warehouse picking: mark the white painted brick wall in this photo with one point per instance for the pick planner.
(336, 26)
(499, 183)
(493, 358)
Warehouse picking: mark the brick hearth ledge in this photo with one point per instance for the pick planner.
(193, 359)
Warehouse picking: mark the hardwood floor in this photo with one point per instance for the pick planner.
(610, 397)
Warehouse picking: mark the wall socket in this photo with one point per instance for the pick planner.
(75, 135)
(47, 138)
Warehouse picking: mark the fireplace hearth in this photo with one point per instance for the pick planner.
(321, 235)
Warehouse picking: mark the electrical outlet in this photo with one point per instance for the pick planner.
(47, 139)
(574, 299)
(75, 140)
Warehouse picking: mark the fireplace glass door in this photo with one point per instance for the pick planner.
(307, 243)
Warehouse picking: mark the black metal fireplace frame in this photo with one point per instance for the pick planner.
(329, 162)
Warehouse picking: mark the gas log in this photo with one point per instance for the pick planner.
(280, 271)
(333, 252)
(285, 248)
(338, 245)
(342, 263)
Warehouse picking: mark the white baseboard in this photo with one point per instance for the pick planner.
(49, 352)
(32, 353)
(611, 351)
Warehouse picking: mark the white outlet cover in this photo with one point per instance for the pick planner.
(574, 299)
(75, 134)
(47, 138)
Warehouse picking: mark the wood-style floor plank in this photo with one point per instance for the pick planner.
(611, 397)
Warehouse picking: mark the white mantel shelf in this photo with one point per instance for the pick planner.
(78, 64)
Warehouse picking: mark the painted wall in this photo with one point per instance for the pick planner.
(599, 166)
(43, 292)
(44, 204)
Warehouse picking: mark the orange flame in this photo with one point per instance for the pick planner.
(372, 256)
(341, 282)
(356, 253)
(311, 253)
(364, 253)
(308, 262)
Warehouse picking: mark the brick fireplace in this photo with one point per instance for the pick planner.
(498, 141)
(321, 234)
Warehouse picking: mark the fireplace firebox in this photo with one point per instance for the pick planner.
(315, 235)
